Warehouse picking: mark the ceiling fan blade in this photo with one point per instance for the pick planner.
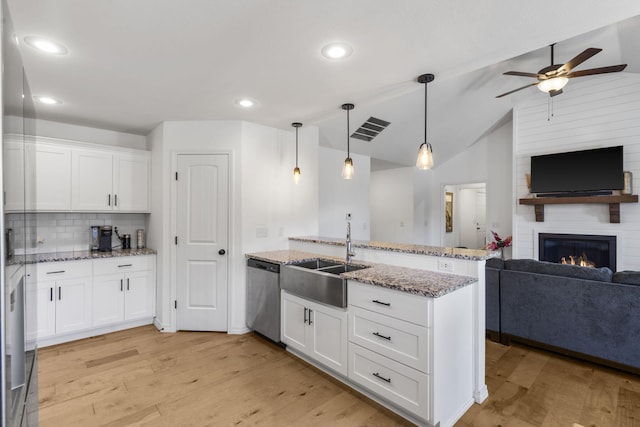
(520, 73)
(515, 90)
(586, 54)
(600, 70)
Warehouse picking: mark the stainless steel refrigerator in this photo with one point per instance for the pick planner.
(18, 355)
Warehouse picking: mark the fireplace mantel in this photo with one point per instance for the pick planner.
(612, 201)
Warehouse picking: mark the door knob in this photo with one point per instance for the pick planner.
(221, 252)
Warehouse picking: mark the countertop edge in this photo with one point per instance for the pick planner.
(76, 256)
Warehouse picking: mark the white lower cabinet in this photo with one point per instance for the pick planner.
(78, 299)
(124, 289)
(398, 383)
(62, 295)
(316, 331)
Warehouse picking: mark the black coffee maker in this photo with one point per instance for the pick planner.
(104, 244)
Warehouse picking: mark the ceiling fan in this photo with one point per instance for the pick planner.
(553, 78)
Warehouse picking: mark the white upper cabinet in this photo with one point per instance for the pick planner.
(103, 181)
(131, 175)
(13, 173)
(47, 178)
(72, 176)
(92, 180)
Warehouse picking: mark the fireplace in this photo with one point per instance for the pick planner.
(600, 250)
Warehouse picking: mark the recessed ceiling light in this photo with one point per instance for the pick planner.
(49, 100)
(336, 50)
(45, 45)
(246, 102)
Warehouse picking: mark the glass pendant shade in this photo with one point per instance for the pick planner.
(347, 168)
(425, 157)
(555, 83)
(296, 175)
(425, 152)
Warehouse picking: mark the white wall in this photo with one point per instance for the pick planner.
(262, 195)
(489, 161)
(392, 205)
(85, 134)
(339, 196)
(592, 112)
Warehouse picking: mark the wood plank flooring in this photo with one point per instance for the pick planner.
(143, 377)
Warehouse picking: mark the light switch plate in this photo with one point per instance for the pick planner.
(262, 231)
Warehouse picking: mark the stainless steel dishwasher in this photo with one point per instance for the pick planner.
(263, 298)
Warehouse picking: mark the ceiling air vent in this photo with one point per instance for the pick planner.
(370, 129)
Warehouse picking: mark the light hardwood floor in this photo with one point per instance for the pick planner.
(144, 377)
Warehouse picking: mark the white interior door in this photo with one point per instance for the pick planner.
(481, 214)
(202, 242)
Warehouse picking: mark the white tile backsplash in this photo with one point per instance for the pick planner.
(57, 232)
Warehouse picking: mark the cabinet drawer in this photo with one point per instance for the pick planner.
(401, 305)
(63, 270)
(404, 342)
(397, 383)
(122, 264)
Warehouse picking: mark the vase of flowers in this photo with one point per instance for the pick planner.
(499, 243)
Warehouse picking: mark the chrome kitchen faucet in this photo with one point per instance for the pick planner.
(350, 253)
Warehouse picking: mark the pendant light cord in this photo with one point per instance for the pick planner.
(348, 153)
(296, 146)
(425, 112)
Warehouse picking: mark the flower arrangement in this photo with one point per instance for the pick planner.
(499, 243)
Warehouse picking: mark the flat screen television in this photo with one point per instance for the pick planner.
(580, 172)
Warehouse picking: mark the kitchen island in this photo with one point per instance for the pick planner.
(408, 337)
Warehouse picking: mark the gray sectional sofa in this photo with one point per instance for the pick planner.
(590, 313)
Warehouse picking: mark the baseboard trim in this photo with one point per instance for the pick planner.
(88, 333)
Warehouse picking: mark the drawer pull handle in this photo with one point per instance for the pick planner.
(59, 293)
(305, 314)
(310, 311)
(50, 294)
(388, 304)
(377, 375)
(56, 272)
(127, 283)
(382, 336)
(125, 265)
(121, 289)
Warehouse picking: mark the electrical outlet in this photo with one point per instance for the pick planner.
(262, 231)
(445, 265)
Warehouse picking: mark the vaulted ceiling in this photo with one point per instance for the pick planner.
(133, 64)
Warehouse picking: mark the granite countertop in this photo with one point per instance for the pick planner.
(459, 253)
(76, 255)
(410, 280)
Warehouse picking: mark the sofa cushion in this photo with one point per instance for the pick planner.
(603, 274)
(627, 277)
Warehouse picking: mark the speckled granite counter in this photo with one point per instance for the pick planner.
(76, 255)
(466, 254)
(414, 281)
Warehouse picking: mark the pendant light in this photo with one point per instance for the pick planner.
(296, 170)
(347, 168)
(425, 153)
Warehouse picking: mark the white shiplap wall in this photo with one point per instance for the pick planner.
(593, 112)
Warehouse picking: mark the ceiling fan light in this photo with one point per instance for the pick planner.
(425, 156)
(553, 84)
(347, 168)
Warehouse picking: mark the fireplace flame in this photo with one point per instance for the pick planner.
(582, 260)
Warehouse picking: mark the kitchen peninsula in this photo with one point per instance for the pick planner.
(412, 334)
